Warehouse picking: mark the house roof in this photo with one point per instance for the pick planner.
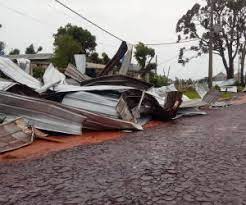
(38, 56)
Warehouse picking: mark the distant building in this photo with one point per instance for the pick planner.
(220, 77)
(44, 59)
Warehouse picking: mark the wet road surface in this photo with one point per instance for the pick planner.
(199, 160)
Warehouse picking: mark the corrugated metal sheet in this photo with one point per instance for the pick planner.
(73, 73)
(51, 78)
(14, 135)
(72, 88)
(210, 98)
(4, 85)
(17, 74)
(42, 114)
(101, 122)
(93, 103)
(118, 80)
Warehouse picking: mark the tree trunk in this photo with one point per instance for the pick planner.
(242, 68)
(230, 71)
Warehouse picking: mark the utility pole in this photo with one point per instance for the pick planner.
(211, 35)
(156, 62)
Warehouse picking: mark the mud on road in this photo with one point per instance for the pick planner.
(199, 160)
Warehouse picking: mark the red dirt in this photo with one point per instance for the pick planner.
(41, 147)
(240, 101)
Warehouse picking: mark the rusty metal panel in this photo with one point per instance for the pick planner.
(75, 74)
(124, 112)
(14, 135)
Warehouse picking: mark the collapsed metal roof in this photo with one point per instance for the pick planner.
(118, 80)
(42, 114)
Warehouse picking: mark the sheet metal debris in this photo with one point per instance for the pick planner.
(210, 98)
(15, 134)
(115, 60)
(42, 114)
(93, 103)
(72, 72)
(118, 80)
(17, 74)
(126, 60)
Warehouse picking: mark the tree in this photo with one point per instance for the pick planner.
(242, 52)
(86, 40)
(2, 45)
(95, 58)
(15, 51)
(230, 20)
(143, 55)
(65, 48)
(105, 58)
(31, 50)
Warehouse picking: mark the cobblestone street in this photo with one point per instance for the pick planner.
(198, 160)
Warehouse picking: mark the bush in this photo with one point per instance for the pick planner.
(158, 80)
(38, 72)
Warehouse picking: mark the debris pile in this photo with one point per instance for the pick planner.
(71, 102)
(105, 103)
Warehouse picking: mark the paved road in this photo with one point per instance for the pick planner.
(199, 160)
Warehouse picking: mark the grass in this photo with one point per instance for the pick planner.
(192, 94)
(226, 96)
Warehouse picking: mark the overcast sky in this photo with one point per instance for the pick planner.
(133, 20)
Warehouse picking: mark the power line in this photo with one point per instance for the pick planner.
(23, 14)
(111, 34)
(168, 60)
(170, 43)
(86, 19)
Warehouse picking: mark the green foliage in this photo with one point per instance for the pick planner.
(38, 72)
(70, 40)
(105, 58)
(143, 55)
(86, 40)
(226, 96)
(31, 50)
(2, 47)
(191, 93)
(216, 87)
(95, 58)
(158, 80)
(15, 51)
(66, 47)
